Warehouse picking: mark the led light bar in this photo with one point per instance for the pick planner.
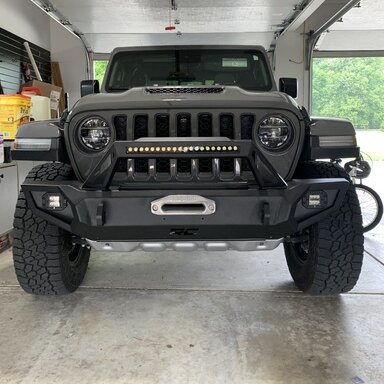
(183, 149)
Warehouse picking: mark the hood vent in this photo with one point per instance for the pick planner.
(180, 90)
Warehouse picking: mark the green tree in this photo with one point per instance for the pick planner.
(350, 88)
(99, 67)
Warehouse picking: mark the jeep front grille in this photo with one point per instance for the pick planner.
(137, 125)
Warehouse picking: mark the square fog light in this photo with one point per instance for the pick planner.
(54, 201)
(315, 199)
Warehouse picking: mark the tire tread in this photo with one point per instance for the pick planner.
(338, 244)
(39, 245)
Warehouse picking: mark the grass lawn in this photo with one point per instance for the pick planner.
(371, 143)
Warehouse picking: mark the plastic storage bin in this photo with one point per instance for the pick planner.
(14, 111)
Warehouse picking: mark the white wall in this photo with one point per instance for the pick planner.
(69, 51)
(290, 62)
(24, 19)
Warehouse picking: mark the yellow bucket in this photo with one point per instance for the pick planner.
(14, 111)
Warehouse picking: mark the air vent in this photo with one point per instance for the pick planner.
(121, 165)
(227, 129)
(227, 165)
(141, 127)
(226, 126)
(120, 123)
(141, 166)
(162, 125)
(246, 126)
(184, 125)
(205, 165)
(178, 90)
(184, 165)
(162, 165)
(247, 122)
(205, 125)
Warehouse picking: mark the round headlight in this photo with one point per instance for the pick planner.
(274, 133)
(95, 133)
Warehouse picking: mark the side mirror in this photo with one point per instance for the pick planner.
(88, 87)
(288, 85)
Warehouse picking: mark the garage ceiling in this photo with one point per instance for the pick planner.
(198, 16)
(110, 23)
(106, 24)
(361, 29)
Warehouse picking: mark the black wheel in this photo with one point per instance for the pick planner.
(45, 259)
(371, 206)
(326, 258)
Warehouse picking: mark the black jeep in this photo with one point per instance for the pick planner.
(185, 148)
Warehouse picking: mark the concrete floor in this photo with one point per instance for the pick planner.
(194, 318)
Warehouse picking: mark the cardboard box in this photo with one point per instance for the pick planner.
(51, 91)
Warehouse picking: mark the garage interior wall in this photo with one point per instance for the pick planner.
(289, 61)
(69, 52)
(25, 20)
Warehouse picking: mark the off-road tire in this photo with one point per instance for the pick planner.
(326, 258)
(45, 259)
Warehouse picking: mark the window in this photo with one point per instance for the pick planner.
(99, 68)
(244, 68)
(352, 88)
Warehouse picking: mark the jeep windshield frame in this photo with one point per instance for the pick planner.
(245, 67)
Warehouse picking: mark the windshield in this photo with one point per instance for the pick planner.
(246, 69)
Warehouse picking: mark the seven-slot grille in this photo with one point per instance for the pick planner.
(183, 124)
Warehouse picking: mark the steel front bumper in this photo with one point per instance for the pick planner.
(239, 214)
